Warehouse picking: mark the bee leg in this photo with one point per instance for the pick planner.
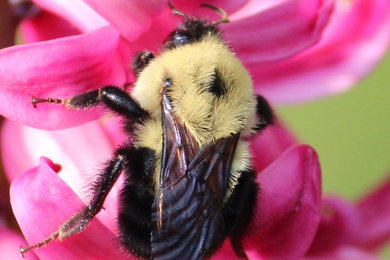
(80, 220)
(112, 97)
(264, 113)
(141, 60)
(238, 212)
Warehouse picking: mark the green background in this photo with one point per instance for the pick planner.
(351, 134)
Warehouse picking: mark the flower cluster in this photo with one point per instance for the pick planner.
(295, 50)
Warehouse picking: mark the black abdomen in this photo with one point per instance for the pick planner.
(136, 200)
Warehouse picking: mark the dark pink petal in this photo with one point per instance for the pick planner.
(46, 26)
(81, 152)
(227, 252)
(131, 18)
(259, 35)
(374, 210)
(76, 12)
(357, 37)
(338, 227)
(288, 211)
(270, 144)
(344, 225)
(41, 202)
(10, 243)
(345, 253)
(58, 68)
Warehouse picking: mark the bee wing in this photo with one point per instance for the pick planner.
(187, 211)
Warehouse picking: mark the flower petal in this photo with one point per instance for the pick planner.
(277, 32)
(131, 18)
(270, 144)
(288, 212)
(353, 43)
(165, 22)
(194, 8)
(10, 243)
(76, 12)
(345, 253)
(75, 149)
(58, 68)
(226, 252)
(338, 227)
(38, 198)
(374, 210)
(36, 28)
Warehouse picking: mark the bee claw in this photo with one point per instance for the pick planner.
(35, 101)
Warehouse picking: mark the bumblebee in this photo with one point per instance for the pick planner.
(189, 183)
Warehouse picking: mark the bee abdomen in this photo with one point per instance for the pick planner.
(134, 218)
(135, 233)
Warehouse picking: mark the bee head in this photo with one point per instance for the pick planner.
(193, 29)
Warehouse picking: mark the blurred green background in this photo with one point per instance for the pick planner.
(351, 134)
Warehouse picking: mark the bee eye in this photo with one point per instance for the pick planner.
(180, 39)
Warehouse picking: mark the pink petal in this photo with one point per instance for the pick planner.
(165, 22)
(46, 26)
(76, 12)
(193, 7)
(353, 43)
(260, 35)
(156, 33)
(131, 18)
(113, 127)
(42, 202)
(288, 212)
(365, 226)
(58, 68)
(338, 227)
(345, 253)
(298, 24)
(75, 149)
(374, 210)
(301, 15)
(10, 243)
(270, 144)
(226, 252)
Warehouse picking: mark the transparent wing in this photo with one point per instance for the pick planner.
(187, 211)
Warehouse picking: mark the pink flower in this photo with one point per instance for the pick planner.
(94, 47)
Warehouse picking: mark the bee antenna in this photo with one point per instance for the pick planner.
(177, 12)
(221, 12)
